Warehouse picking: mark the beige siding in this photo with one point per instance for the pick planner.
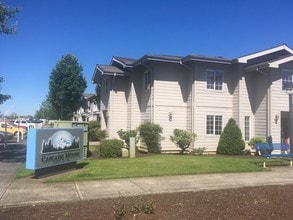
(172, 90)
(117, 107)
(245, 102)
(133, 110)
(279, 100)
(260, 104)
(211, 102)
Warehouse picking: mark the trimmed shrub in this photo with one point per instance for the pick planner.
(255, 140)
(182, 139)
(231, 142)
(125, 135)
(111, 148)
(151, 136)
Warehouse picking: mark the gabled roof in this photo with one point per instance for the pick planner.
(218, 59)
(106, 70)
(161, 58)
(109, 70)
(279, 49)
(123, 61)
(273, 63)
(88, 96)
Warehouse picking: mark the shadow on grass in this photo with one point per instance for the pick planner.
(81, 165)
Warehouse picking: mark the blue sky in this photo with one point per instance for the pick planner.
(94, 31)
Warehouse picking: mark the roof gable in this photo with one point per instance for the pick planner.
(265, 54)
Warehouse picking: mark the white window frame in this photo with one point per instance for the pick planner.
(147, 80)
(247, 128)
(212, 83)
(287, 76)
(105, 85)
(215, 128)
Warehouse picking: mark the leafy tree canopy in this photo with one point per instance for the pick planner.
(46, 111)
(66, 86)
(3, 98)
(7, 14)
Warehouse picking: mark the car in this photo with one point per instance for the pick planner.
(24, 124)
(12, 128)
(9, 136)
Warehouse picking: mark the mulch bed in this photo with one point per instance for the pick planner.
(262, 202)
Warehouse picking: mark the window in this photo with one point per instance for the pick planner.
(246, 128)
(287, 76)
(214, 124)
(105, 86)
(214, 79)
(147, 80)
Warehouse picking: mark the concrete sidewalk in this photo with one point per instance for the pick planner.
(29, 191)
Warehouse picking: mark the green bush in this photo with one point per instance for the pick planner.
(231, 142)
(125, 135)
(255, 140)
(151, 136)
(182, 139)
(111, 148)
(199, 151)
(95, 133)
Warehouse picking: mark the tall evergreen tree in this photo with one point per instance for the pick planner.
(66, 86)
(46, 111)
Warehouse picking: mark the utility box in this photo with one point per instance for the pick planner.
(132, 147)
(76, 124)
(124, 152)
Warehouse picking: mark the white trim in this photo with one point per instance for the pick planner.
(118, 61)
(244, 59)
(281, 61)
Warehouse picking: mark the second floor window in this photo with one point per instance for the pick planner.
(105, 85)
(147, 80)
(287, 76)
(214, 79)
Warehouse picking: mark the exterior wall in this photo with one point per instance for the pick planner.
(171, 92)
(118, 106)
(211, 102)
(279, 100)
(178, 98)
(133, 109)
(260, 104)
(245, 102)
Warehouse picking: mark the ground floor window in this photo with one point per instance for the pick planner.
(214, 124)
(246, 128)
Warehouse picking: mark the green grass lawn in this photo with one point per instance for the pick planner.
(158, 165)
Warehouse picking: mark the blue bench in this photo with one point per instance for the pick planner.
(268, 151)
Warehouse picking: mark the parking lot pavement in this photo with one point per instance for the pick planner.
(11, 159)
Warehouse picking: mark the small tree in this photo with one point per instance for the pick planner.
(125, 135)
(151, 136)
(231, 142)
(95, 132)
(182, 139)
